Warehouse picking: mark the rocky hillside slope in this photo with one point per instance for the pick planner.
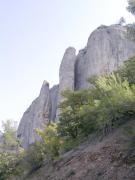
(98, 159)
(106, 49)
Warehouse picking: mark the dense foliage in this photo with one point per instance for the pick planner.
(34, 157)
(10, 164)
(131, 6)
(10, 153)
(10, 141)
(127, 71)
(50, 140)
(108, 104)
(74, 113)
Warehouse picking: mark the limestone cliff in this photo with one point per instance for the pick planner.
(38, 114)
(66, 74)
(106, 49)
(54, 102)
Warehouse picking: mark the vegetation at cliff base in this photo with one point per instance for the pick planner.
(11, 155)
(108, 104)
(10, 140)
(101, 109)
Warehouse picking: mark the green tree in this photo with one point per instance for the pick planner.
(127, 71)
(121, 21)
(11, 164)
(131, 6)
(10, 140)
(74, 112)
(50, 140)
(34, 156)
(116, 100)
(108, 104)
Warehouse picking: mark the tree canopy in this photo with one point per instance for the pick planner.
(9, 135)
(131, 6)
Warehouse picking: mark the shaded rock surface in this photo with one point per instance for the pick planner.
(106, 49)
(1, 141)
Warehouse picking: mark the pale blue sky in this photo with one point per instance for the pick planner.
(33, 37)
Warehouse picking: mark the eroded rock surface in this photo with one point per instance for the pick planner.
(54, 102)
(106, 49)
(66, 74)
(67, 70)
(35, 116)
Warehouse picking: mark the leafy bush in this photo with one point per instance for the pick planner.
(34, 156)
(10, 164)
(73, 113)
(116, 99)
(10, 141)
(127, 71)
(107, 105)
(46, 149)
(68, 144)
(131, 6)
(50, 140)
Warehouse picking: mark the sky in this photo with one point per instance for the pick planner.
(33, 37)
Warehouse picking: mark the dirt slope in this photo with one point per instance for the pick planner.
(109, 159)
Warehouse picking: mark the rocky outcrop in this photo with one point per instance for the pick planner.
(54, 102)
(1, 140)
(41, 111)
(66, 74)
(35, 116)
(67, 71)
(106, 49)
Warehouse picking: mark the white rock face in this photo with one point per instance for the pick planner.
(67, 70)
(66, 73)
(106, 49)
(1, 138)
(54, 102)
(35, 116)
